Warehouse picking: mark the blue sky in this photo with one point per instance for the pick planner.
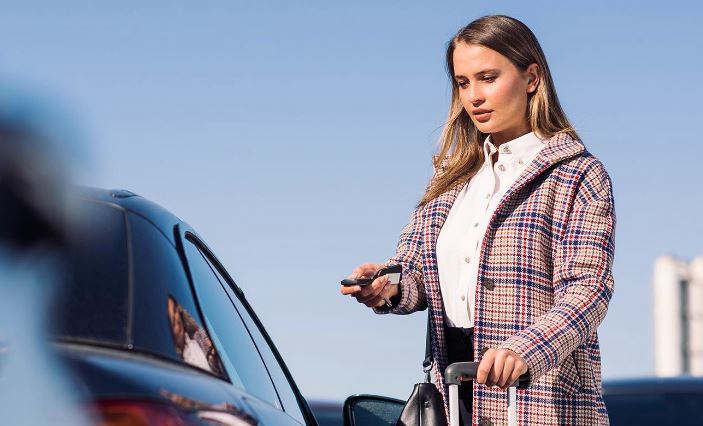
(296, 138)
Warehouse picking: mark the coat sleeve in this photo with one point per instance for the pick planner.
(408, 254)
(583, 281)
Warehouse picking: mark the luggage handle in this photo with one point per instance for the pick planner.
(467, 371)
(464, 372)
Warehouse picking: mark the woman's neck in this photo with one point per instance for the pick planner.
(500, 138)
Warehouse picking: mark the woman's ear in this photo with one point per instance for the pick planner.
(533, 75)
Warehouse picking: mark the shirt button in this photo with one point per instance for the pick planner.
(501, 167)
(488, 196)
(476, 225)
(506, 149)
(520, 162)
(463, 298)
(467, 259)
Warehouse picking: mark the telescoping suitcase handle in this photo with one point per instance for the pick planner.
(467, 371)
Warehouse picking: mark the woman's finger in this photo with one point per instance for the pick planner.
(515, 367)
(514, 377)
(365, 270)
(484, 367)
(496, 369)
(375, 289)
(519, 370)
(383, 297)
(372, 290)
(350, 289)
(508, 368)
(375, 302)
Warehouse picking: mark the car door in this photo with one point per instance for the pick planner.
(248, 355)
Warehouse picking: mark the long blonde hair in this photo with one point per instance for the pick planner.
(460, 153)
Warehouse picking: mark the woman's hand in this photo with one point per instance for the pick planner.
(375, 294)
(500, 367)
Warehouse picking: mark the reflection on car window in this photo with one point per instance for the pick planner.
(239, 354)
(191, 341)
(158, 271)
(283, 386)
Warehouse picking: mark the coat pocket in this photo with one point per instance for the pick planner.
(568, 379)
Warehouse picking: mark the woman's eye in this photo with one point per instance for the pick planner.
(462, 84)
(489, 78)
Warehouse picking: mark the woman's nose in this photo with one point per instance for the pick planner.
(475, 95)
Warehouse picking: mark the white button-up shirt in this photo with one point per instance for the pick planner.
(459, 241)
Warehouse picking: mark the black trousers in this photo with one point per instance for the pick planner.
(460, 348)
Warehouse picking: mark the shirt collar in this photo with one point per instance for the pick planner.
(521, 147)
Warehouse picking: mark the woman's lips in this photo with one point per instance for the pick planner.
(483, 116)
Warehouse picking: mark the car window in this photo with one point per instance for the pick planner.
(191, 341)
(166, 320)
(94, 302)
(238, 352)
(283, 386)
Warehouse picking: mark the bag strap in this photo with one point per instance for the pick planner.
(427, 363)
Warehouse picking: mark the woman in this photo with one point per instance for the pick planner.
(512, 243)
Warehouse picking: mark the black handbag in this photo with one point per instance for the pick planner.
(425, 406)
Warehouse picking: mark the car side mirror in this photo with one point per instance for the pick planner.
(372, 410)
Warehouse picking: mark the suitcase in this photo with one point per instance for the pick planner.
(466, 371)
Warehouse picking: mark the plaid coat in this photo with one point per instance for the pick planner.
(543, 287)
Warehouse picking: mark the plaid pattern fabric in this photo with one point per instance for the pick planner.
(543, 287)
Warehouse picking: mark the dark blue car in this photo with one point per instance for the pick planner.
(155, 329)
(655, 401)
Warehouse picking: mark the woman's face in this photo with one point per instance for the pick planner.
(177, 327)
(493, 91)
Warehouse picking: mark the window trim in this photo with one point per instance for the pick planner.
(213, 335)
(190, 236)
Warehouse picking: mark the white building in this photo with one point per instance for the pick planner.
(678, 316)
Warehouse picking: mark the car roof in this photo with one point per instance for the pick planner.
(642, 385)
(163, 219)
